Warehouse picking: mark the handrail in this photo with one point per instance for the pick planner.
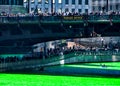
(7, 19)
(69, 55)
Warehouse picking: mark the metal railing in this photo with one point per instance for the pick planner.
(7, 19)
(65, 56)
(76, 56)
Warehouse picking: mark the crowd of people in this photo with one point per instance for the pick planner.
(57, 51)
(111, 48)
(36, 55)
(59, 14)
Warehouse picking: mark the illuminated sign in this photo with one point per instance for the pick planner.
(72, 17)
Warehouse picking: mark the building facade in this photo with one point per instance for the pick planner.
(80, 6)
(11, 7)
(60, 6)
(11, 2)
(105, 5)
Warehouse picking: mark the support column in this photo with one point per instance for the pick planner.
(36, 7)
(70, 5)
(29, 6)
(36, 2)
(118, 5)
(56, 6)
(113, 3)
(49, 6)
(63, 6)
(97, 5)
(43, 6)
(83, 6)
(10, 7)
(76, 6)
(90, 6)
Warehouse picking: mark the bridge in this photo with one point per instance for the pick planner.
(45, 65)
(20, 31)
(24, 31)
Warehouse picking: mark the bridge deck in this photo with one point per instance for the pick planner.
(65, 59)
(29, 30)
(54, 19)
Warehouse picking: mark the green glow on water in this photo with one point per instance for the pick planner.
(48, 80)
(11, 55)
(57, 80)
(109, 65)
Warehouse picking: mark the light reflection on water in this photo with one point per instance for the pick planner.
(114, 58)
(11, 55)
